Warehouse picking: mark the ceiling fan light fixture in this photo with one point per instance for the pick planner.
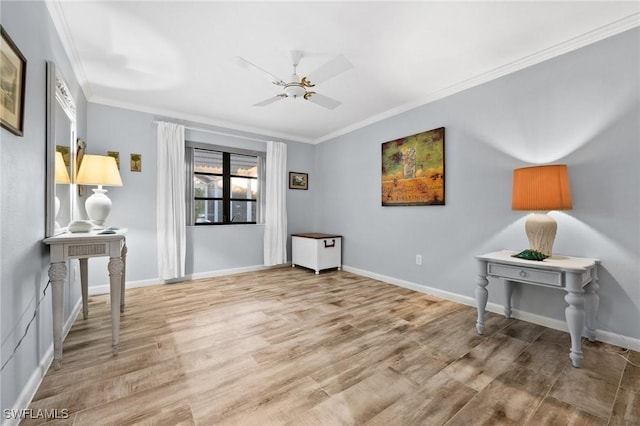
(295, 90)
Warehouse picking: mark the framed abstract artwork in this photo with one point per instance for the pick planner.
(413, 170)
(13, 72)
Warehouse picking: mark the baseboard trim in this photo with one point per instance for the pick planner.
(32, 385)
(601, 335)
(454, 297)
(104, 289)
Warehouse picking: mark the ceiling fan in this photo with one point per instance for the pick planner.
(300, 87)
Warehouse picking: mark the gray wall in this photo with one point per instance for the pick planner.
(211, 249)
(581, 108)
(24, 259)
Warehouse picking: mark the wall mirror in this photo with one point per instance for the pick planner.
(60, 153)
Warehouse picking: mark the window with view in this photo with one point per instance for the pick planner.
(225, 187)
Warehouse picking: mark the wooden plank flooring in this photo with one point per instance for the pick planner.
(288, 347)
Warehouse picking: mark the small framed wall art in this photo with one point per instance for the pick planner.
(116, 156)
(13, 72)
(136, 162)
(298, 180)
(64, 150)
(81, 147)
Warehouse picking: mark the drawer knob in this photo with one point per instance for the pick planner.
(523, 274)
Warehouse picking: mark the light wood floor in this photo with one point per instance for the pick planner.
(287, 347)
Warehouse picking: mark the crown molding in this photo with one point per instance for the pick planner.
(617, 27)
(60, 23)
(197, 119)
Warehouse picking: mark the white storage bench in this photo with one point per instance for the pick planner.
(316, 251)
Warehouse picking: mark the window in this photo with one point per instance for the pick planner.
(225, 187)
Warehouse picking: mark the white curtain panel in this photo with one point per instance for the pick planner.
(275, 215)
(171, 204)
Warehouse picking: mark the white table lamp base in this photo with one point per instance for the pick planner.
(98, 206)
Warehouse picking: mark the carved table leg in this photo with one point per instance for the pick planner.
(591, 304)
(481, 294)
(57, 275)
(84, 286)
(508, 291)
(115, 282)
(575, 316)
(124, 273)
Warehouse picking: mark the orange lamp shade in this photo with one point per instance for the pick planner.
(541, 188)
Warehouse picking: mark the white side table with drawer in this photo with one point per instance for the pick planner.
(316, 251)
(578, 276)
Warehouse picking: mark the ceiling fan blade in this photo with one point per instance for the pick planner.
(271, 100)
(253, 67)
(337, 65)
(324, 101)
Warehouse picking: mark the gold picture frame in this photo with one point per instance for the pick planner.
(81, 148)
(116, 156)
(136, 162)
(13, 73)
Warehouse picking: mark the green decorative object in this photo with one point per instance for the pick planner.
(529, 254)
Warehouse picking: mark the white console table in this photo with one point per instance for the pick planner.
(576, 275)
(83, 246)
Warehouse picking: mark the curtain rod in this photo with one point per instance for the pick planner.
(198, 129)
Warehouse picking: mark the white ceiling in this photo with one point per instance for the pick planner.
(176, 58)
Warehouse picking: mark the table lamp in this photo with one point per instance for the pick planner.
(541, 188)
(62, 176)
(98, 170)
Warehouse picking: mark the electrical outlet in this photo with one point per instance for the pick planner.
(418, 259)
